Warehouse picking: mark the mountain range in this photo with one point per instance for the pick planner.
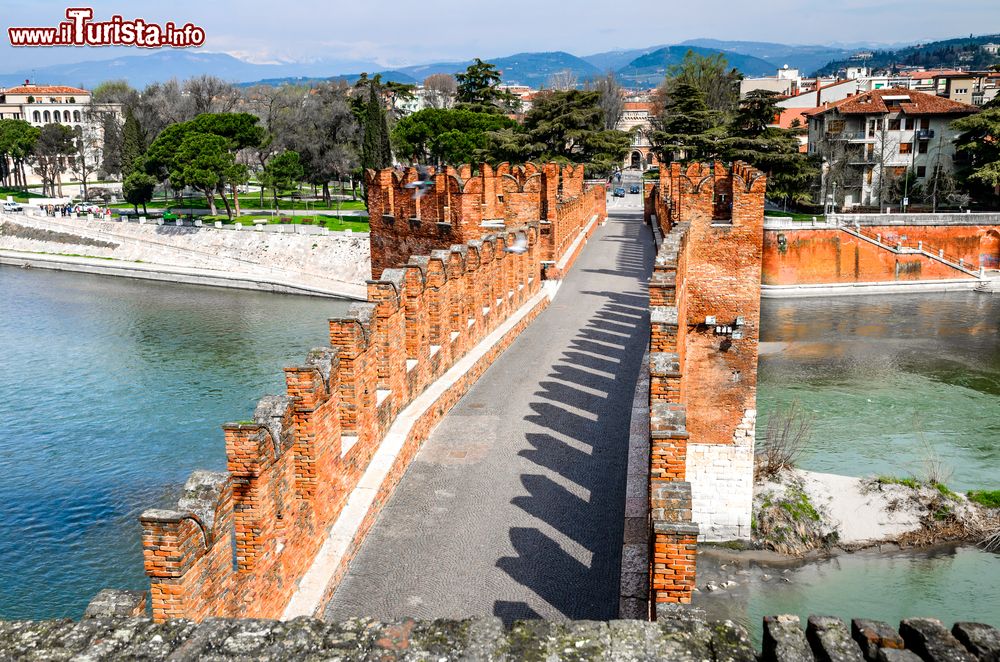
(634, 67)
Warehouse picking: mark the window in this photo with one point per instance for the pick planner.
(894, 125)
(922, 147)
(37, 116)
(905, 148)
(868, 175)
(911, 123)
(925, 123)
(921, 171)
(47, 116)
(76, 115)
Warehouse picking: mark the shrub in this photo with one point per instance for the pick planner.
(787, 434)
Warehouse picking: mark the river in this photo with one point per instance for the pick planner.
(111, 392)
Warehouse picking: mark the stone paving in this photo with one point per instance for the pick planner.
(513, 508)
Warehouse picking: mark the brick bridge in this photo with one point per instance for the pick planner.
(397, 476)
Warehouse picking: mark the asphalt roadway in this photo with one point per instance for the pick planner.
(514, 505)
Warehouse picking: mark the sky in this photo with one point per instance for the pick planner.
(397, 32)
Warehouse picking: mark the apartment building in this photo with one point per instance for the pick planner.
(870, 140)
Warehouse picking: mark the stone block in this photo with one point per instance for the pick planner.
(931, 640)
(831, 641)
(981, 639)
(873, 636)
(784, 641)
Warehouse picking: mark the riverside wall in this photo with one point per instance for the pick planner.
(244, 542)
(337, 261)
(704, 320)
(835, 254)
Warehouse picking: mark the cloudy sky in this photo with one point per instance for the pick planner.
(397, 32)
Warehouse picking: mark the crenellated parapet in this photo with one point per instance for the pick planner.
(238, 542)
(414, 212)
(704, 332)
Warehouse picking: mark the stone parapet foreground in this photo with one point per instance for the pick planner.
(238, 542)
(675, 637)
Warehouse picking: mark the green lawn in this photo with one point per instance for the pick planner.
(795, 216)
(335, 223)
(17, 194)
(252, 201)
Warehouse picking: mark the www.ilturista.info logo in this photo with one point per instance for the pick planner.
(80, 30)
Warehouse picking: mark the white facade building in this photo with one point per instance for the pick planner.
(870, 140)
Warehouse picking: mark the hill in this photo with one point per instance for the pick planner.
(532, 69)
(963, 52)
(140, 70)
(649, 69)
(805, 58)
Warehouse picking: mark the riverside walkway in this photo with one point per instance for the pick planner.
(514, 505)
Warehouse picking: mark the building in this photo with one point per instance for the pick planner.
(869, 141)
(58, 104)
(786, 82)
(637, 119)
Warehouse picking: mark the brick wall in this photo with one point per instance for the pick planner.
(704, 330)
(461, 200)
(238, 541)
(807, 256)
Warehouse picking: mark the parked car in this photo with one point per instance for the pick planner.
(634, 188)
(619, 192)
(12, 206)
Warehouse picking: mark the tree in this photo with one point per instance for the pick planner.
(687, 129)
(710, 74)
(85, 157)
(440, 90)
(479, 89)
(440, 136)
(132, 144)
(208, 94)
(569, 126)
(771, 149)
(50, 156)
(375, 150)
(282, 172)
(211, 141)
(17, 143)
(324, 131)
(275, 107)
(138, 189)
(979, 145)
(563, 80)
(612, 99)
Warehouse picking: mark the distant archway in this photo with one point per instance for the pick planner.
(636, 160)
(989, 250)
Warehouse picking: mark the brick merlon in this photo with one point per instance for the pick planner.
(663, 315)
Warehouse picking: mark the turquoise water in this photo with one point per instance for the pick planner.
(111, 392)
(894, 383)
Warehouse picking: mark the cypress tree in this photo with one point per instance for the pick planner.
(375, 150)
(132, 147)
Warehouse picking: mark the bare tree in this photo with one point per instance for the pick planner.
(276, 106)
(563, 80)
(209, 94)
(440, 90)
(86, 157)
(612, 99)
(789, 430)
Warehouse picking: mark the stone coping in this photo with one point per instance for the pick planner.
(681, 635)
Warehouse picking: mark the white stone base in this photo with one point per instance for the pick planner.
(721, 477)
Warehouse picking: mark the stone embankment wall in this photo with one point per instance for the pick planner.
(109, 633)
(313, 258)
(461, 203)
(705, 319)
(836, 254)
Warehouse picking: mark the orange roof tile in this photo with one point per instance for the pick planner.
(638, 105)
(44, 89)
(919, 103)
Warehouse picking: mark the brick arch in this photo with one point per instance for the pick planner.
(989, 250)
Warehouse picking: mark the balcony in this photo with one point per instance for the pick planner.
(850, 136)
(925, 134)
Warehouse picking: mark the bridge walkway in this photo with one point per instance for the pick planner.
(514, 505)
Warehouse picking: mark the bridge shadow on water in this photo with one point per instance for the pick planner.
(582, 414)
